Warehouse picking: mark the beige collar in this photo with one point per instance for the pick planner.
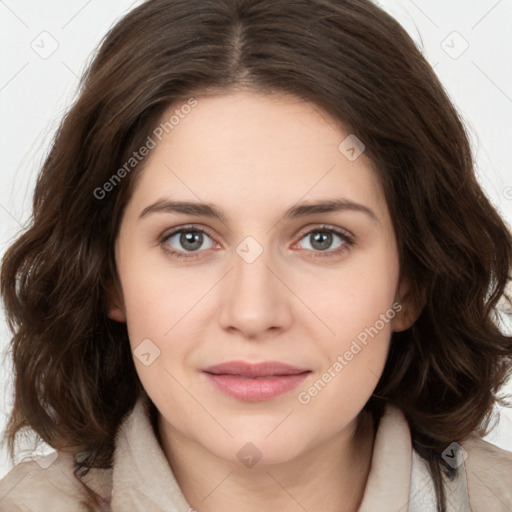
(398, 481)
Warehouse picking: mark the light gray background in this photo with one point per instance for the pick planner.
(45, 45)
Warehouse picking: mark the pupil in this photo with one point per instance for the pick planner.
(191, 240)
(322, 240)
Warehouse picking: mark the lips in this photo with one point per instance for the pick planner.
(255, 382)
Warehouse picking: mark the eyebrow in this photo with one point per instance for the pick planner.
(295, 212)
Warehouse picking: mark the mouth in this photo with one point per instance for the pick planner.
(255, 382)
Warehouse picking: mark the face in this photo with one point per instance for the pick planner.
(222, 258)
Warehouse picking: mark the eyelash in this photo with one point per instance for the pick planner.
(348, 241)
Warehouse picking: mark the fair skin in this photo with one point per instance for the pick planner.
(253, 157)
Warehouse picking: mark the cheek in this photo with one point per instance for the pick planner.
(357, 306)
(353, 363)
(352, 298)
(158, 298)
(164, 315)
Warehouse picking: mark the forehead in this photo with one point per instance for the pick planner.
(251, 151)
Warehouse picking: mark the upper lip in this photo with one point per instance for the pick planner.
(263, 369)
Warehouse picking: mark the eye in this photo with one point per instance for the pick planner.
(186, 240)
(327, 240)
(190, 241)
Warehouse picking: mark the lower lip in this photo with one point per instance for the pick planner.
(255, 389)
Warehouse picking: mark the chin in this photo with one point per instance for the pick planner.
(251, 447)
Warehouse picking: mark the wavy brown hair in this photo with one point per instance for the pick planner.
(75, 378)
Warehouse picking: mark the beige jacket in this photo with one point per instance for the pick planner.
(142, 480)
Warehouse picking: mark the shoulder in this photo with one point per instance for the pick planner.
(489, 475)
(47, 483)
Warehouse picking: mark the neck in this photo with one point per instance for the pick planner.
(331, 477)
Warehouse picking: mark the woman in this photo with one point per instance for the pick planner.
(260, 274)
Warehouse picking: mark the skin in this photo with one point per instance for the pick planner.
(254, 156)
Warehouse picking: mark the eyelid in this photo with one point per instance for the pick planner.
(301, 233)
(348, 238)
(184, 227)
(180, 254)
(328, 227)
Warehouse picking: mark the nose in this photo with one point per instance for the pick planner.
(256, 300)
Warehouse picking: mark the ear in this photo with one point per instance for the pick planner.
(115, 304)
(410, 302)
